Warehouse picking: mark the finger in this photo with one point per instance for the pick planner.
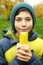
(22, 52)
(18, 45)
(25, 60)
(25, 48)
(23, 57)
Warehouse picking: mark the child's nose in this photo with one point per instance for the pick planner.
(23, 23)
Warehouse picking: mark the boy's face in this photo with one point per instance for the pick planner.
(23, 22)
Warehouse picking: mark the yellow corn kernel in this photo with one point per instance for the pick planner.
(23, 38)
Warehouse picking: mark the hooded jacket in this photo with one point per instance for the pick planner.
(9, 42)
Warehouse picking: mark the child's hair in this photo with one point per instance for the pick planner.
(21, 10)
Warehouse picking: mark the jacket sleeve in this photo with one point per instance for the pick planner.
(34, 60)
(2, 56)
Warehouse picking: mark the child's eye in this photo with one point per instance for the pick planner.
(28, 19)
(18, 19)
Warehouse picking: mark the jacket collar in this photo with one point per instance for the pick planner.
(33, 36)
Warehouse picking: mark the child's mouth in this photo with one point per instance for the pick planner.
(24, 30)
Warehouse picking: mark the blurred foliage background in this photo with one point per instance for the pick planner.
(7, 5)
(39, 10)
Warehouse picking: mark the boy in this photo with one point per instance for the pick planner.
(11, 53)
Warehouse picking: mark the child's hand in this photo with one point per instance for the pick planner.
(23, 52)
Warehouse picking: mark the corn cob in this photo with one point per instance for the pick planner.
(23, 38)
